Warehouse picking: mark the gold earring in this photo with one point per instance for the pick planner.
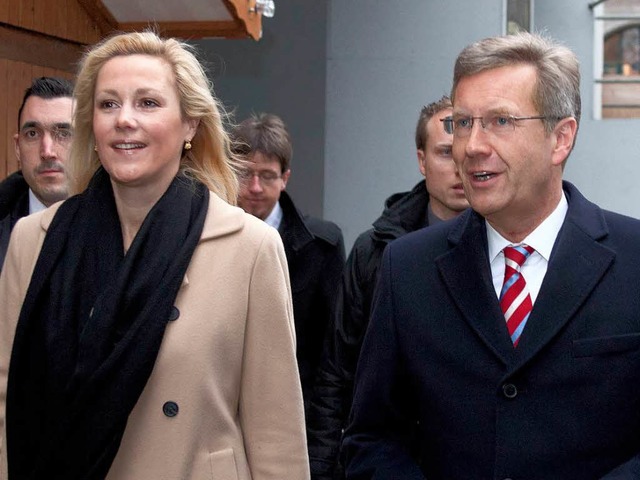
(187, 145)
(95, 148)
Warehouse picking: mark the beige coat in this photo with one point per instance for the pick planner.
(228, 361)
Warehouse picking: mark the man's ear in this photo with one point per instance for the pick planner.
(285, 178)
(565, 135)
(421, 161)
(16, 146)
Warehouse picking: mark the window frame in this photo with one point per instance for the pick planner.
(599, 79)
(505, 16)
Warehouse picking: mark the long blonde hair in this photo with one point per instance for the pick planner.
(210, 159)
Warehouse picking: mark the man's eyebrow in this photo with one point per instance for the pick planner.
(497, 110)
(34, 124)
(30, 124)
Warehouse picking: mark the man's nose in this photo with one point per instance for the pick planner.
(478, 140)
(47, 146)
(254, 184)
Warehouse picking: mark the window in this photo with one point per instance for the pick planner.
(518, 14)
(617, 61)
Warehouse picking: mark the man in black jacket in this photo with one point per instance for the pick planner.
(439, 197)
(42, 149)
(314, 247)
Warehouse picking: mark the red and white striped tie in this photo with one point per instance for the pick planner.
(515, 300)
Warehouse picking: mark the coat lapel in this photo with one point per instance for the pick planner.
(577, 264)
(466, 273)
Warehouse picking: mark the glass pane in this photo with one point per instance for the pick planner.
(621, 38)
(518, 16)
(621, 59)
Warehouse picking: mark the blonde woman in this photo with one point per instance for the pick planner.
(146, 325)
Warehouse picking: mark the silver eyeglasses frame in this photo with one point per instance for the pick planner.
(449, 123)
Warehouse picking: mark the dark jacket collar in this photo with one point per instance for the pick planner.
(584, 214)
(404, 212)
(293, 229)
(12, 190)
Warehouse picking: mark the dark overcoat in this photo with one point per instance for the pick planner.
(564, 404)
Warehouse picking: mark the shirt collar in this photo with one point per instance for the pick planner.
(541, 239)
(35, 205)
(275, 217)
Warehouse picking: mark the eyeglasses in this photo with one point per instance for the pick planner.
(498, 124)
(34, 135)
(265, 177)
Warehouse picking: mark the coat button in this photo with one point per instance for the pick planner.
(174, 314)
(509, 390)
(170, 409)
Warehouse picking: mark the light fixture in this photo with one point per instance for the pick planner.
(266, 8)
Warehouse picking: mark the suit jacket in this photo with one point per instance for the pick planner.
(563, 405)
(227, 361)
(14, 204)
(315, 255)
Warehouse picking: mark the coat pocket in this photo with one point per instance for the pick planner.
(223, 465)
(589, 347)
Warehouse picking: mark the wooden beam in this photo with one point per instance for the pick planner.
(190, 30)
(39, 49)
(101, 15)
(244, 24)
(251, 20)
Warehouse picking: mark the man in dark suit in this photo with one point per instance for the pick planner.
(511, 334)
(42, 148)
(314, 247)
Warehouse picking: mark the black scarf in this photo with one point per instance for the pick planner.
(91, 326)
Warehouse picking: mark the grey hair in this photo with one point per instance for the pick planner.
(556, 94)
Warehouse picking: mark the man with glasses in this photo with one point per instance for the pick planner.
(437, 197)
(314, 247)
(42, 149)
(511, 334)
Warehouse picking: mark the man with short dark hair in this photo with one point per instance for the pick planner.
(314, 247)
(509, 335)
(42, 149)
(437, 197)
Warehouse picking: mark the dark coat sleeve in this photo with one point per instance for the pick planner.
(12, 212)
(315, 267)
(627, 471)
(382, 420)
(331, 399)
(330, 273)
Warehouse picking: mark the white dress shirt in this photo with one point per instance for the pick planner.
(35, 205)
(541, 239)
(275, 217)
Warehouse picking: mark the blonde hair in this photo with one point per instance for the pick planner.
(210, 159)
